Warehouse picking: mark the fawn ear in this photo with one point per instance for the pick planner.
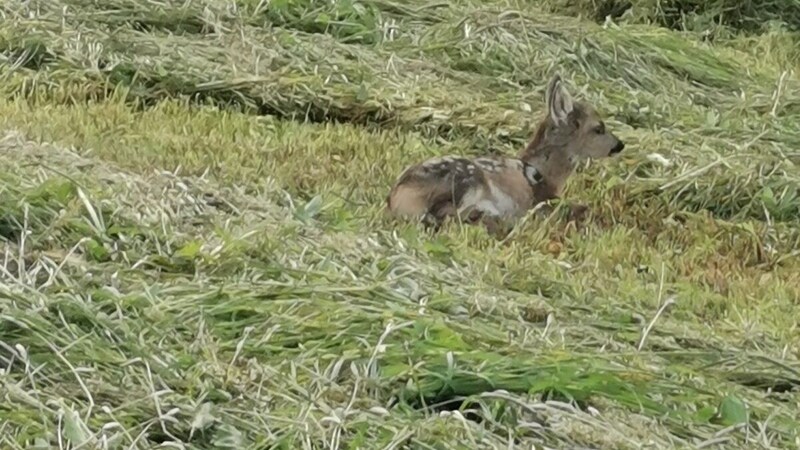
(559, 102)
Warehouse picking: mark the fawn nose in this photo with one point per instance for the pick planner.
(618, 148)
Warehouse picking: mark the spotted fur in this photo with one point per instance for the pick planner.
(498, 187)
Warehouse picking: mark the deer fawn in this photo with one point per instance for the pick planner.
(492, 188)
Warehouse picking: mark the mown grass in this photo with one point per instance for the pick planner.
(194, 252)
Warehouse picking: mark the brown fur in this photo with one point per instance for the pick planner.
(492, 188)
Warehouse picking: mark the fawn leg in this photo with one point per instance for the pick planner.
(494, 225)
(578, 212)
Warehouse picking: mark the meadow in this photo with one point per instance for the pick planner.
(194, 251)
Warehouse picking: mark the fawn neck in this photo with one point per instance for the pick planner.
(549, 157)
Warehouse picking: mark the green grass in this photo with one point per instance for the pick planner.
(194, 252)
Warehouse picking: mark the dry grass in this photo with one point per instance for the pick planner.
(193, 252)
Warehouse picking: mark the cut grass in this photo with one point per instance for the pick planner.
(180, 268)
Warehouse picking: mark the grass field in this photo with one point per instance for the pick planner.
(194, 253)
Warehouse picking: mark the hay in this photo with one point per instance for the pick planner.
(259, 70)
(251, 298)
(149, 230)
(691, 15)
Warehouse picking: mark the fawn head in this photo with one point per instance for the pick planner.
(576, 127)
